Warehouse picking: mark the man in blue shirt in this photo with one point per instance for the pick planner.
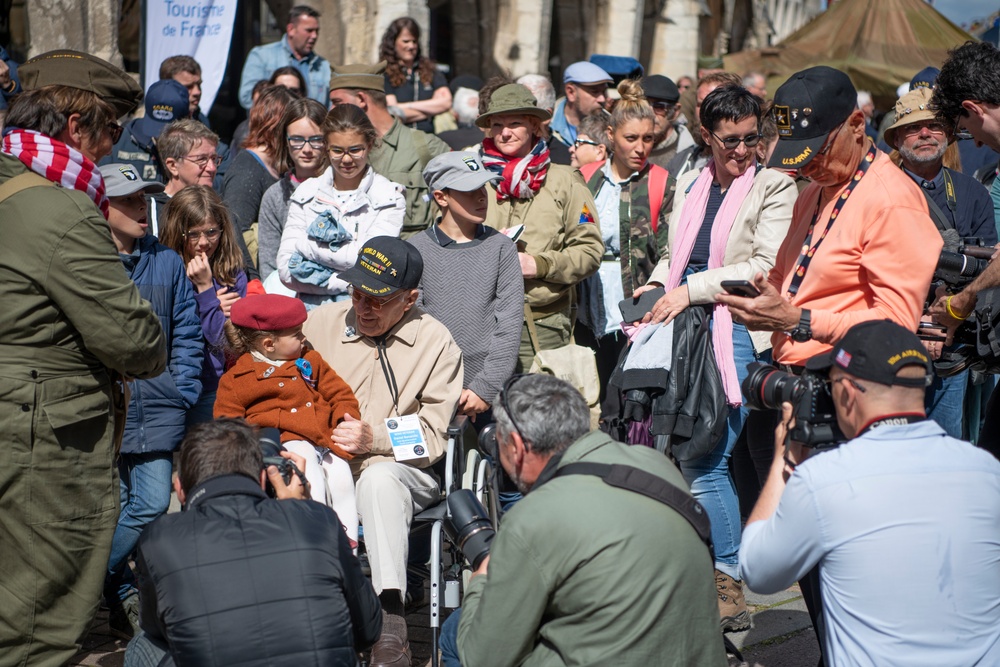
(295, 49)
(902, 521)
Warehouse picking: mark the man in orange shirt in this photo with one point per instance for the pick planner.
(861, 245)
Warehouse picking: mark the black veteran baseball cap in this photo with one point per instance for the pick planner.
(385, 265)
(876, 351)
(807, 108)
(75, 69)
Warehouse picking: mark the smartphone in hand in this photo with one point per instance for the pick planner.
(740, 288)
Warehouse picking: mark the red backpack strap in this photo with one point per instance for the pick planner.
(657, 189)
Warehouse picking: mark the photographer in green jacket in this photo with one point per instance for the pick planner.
(582, 572)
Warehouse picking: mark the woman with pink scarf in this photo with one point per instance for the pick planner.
(727, 224)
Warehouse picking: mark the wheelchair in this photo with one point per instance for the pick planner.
(446, 568)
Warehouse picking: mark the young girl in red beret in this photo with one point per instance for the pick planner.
(279, 382)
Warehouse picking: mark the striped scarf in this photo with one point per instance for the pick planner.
(522, 177)
(57, 162)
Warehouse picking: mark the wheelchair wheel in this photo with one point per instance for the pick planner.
(471, 468)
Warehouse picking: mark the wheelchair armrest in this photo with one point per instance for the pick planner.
(457, 426)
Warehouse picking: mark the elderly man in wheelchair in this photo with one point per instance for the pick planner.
(406, 371)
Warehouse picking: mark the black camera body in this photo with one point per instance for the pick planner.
(469, 527)
(766, 388)
(270, 446)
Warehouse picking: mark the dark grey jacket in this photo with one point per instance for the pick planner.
(241, 579)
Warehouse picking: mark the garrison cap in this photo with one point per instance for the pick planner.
(74, 69)
(364, 77)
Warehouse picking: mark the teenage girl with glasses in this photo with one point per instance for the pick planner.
(332, 215)
(199, 229)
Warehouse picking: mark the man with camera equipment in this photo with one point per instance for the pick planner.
(586, 570)
(967, 95)
(238, 578)
(406, 372)
(861, 245)
(962, 210)
(902, 521)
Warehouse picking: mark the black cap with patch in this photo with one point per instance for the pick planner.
(807, 108)
(876, 350)
(385, 265)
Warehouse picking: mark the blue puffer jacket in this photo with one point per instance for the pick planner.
(156, 412)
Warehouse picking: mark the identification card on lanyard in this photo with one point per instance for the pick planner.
(406, 437)
(808, 249)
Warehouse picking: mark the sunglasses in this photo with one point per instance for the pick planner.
(729, 143)
(666, 107)
(115, 130)
(372, 302)
(508, 385)
(584, 142)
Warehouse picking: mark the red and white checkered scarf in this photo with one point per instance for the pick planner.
(522, 177)
(57, 162)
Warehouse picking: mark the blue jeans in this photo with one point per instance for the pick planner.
(711, 483)
(449, 640)
(945, 402)
(145, 494)
(144, 651)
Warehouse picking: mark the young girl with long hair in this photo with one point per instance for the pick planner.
(332, 215)
(199, 229)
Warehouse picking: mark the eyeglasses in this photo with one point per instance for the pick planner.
(211, 234)
(203, 160)
(370, 301)
(296, 142)
(584, 142)
(115, 130)
(915, 128)
(729, 143)
(508, 385)
(665, 107)
(830, 139)
(851, 381)
(356, 152)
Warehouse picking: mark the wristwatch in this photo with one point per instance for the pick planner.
(802, 332)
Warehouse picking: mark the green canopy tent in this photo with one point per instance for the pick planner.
(880, 44)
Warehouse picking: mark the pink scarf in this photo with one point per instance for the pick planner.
(692, 217)
(57, 162)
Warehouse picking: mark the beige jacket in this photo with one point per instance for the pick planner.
(565, 249)
(757, 233)
(425, 360)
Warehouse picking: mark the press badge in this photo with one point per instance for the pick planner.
(406, 437)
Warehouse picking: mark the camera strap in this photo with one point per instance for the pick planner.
(808, 249)
(893, 420)
(649, 485)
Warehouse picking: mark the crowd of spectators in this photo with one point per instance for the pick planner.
(339, 271)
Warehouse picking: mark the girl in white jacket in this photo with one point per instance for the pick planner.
(332, 215)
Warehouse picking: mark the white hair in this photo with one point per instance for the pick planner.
(541, 88)
(465, 104)
(864, 97)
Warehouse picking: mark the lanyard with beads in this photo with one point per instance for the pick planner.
(808, 249)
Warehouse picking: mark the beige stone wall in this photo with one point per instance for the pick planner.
(522, 37)
(89, 25)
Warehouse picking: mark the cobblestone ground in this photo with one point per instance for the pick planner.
(781, 636)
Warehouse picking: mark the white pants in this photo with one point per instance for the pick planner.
(389, 494)
(331, 481)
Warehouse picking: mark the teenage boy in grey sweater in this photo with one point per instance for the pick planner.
(472, 278)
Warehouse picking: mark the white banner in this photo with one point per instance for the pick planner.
(201, 29)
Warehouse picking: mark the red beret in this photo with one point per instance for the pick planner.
(268, 312)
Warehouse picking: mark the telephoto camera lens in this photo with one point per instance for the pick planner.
(766, 387)
(469, 527)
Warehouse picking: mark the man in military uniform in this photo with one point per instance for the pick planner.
(403, 152)
(72, 321)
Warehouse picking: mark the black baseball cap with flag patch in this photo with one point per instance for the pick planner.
(807, 108)
(876, 350)
(385, 265)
